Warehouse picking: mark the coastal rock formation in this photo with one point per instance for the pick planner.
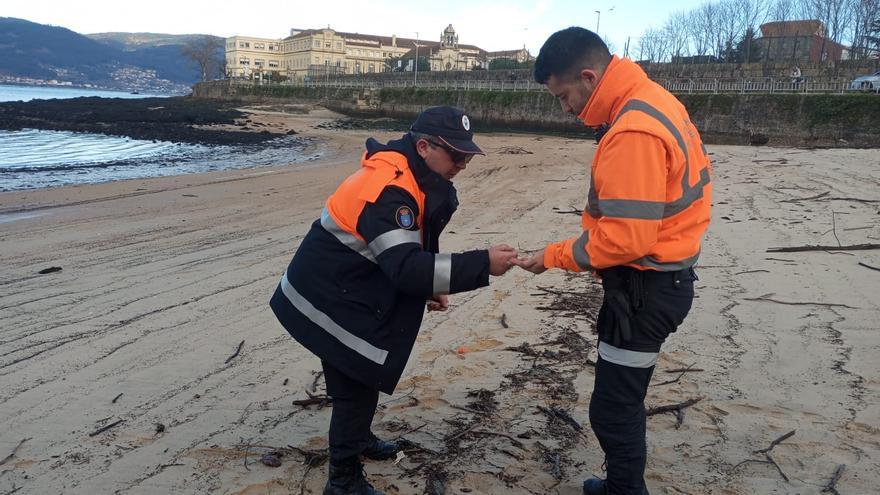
(178, 119)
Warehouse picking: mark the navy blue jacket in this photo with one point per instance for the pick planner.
(358, 304)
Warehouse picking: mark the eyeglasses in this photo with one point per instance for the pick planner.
(457, 157)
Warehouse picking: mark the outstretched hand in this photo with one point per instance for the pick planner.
(534, 264)
(501, 259)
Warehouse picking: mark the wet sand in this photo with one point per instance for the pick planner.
(162, 279)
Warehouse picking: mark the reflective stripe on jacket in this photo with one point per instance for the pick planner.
(354, 293)
(649, 199)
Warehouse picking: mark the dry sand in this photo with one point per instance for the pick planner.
(163, 278)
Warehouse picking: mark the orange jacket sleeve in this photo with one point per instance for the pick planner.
(630, 179)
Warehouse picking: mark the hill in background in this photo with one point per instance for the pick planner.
(31, 52)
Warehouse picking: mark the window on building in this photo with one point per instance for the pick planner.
(273, 63)
(317, 44)
(244, 61)
(339, 45)
(260, 46)
(372, 68)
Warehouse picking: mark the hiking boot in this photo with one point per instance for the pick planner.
(347, 478)
(594, 486)
(380, 450)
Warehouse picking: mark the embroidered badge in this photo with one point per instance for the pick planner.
(465, 122)
(405, 218)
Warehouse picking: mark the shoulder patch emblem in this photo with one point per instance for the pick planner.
(405, 218)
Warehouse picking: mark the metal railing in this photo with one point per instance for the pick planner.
(690, 85)
(763, 85)
(452, 84)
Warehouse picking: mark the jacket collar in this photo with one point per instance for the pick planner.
(619, 81)
(427, 179)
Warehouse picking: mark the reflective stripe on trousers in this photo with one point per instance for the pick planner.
(626, 357)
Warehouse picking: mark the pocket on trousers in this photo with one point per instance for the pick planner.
(616, 322)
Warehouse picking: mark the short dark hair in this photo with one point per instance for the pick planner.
(418, 136)
(567, 52)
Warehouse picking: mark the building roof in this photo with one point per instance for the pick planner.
(360, 39)
(428, 49)
(506, 52)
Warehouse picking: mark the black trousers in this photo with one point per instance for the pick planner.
(640, 309)
(354, 405)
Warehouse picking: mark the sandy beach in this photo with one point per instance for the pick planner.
(124, 372)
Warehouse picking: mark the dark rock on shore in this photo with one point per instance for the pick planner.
(165, 119)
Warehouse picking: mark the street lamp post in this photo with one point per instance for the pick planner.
(416, 61)
(599, 16)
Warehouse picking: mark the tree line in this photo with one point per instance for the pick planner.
(726, 30)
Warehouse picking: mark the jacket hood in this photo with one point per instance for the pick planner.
(407, 147)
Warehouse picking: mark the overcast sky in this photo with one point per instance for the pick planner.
(489, 24)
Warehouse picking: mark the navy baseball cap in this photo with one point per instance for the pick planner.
(450, 125)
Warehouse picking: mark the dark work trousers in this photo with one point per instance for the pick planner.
(354, 405)
(639, 310)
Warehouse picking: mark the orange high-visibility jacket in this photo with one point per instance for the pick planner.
(650, 193)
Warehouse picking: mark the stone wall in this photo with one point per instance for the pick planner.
(788, 120)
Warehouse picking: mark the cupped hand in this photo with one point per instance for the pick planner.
(534, 263)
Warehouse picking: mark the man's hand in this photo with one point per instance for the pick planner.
(501, 259)
(438, 303)
(534, 264)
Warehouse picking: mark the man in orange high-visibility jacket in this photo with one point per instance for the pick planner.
(647, 209)
(355, 292)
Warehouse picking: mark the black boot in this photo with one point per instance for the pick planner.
(594, 486)
(347, 478)
(380, 450)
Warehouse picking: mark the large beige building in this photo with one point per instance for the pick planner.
(312, 53)
(246, 56)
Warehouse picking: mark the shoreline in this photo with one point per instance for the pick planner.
(163, 278)
(328, 144)
(173, 119)
(277, 143)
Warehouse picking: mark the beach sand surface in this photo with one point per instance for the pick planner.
(117, 373)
